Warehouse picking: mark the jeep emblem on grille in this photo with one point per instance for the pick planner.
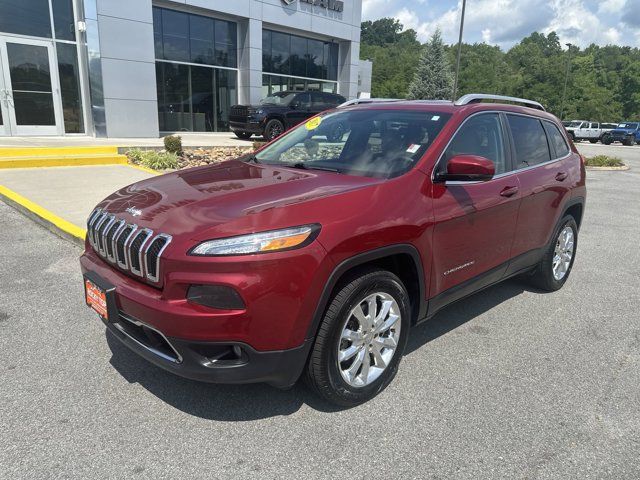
(135, 212)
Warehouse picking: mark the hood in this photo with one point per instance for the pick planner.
(191, 201)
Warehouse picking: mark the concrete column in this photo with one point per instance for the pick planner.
(348, 66)
(250, 61)
(128, 68)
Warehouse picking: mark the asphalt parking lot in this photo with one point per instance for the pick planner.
(511, 383)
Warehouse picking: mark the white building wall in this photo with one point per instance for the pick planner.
(128, 58)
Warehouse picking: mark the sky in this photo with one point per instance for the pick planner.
(506, 22)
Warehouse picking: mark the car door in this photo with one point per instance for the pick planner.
(543, 166)
(318, 103)
(474, 221)
(299, 110)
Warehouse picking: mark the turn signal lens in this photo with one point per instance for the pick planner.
(275, 240)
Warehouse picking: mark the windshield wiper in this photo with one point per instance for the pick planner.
(304, 166)
(251, 158)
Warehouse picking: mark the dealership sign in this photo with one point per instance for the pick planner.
(335, 5)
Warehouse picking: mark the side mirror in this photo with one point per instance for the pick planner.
(468, 168)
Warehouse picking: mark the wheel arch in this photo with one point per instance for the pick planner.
(402, 259)
(575, 208)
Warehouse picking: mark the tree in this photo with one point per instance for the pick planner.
(433, 79)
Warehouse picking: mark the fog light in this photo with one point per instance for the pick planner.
(215, 296)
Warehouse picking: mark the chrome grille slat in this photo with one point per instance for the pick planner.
(96, 228)
(127, 245)
(111, 234)
(90, 222)
(102, 234)
(135, 250)
(152, 259)
(122, 260)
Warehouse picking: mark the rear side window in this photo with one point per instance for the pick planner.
(556, 140)
(480, 135)
(530, 141)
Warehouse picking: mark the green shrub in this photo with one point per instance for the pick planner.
(135, 155)
(173, 144)
(159, 160)
(153, 159)
(603, 161)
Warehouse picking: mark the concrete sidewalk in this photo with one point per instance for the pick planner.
(68, 193)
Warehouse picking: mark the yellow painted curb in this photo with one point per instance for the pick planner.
(144, 169)
(62, 161)
(49, 219)
(58, 151)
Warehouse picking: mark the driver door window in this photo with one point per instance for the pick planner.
(480, 135)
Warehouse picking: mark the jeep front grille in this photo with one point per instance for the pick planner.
(133, 249)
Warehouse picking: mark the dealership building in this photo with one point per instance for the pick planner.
(137, 68)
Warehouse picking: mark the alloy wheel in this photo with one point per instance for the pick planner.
(369, 339)
(275, 131)
(563, 253)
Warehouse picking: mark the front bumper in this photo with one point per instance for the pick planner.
(249, 126)
(214, 362)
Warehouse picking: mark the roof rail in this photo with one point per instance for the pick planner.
(479, 97)
(358, 101)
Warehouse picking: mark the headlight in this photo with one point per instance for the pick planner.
(275, 240)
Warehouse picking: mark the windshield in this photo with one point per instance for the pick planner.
(279, 98)
(628, 125)
(575, 124)
(375, 143)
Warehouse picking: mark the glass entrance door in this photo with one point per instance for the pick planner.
(29, 87)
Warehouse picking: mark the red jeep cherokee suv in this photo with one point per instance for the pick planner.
(318, 253)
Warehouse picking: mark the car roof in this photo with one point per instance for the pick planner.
(464, 106)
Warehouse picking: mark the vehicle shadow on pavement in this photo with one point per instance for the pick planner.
(468, 308)
(258, 401)
(212, 401)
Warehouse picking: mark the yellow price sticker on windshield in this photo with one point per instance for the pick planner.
(313, 123)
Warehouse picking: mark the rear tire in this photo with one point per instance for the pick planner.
(629, 141)
(243, 135)
(572, 136)
(555, 266)
(370, 344)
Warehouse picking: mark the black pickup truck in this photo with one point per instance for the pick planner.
(279, 112)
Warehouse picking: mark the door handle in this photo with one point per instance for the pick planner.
(509, 191)
(560, 176)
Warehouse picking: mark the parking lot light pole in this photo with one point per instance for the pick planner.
(455, 79)
(566, 80)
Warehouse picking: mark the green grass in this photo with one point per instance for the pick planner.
(603, 161)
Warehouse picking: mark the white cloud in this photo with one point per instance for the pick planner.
(505, 22)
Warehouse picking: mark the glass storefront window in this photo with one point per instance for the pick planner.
(276, 83)
(70, 88)
(25, 17)
(194, 99)
(186, 37)
(63, 21)
(288, 54)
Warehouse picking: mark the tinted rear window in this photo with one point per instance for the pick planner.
(556, 140)
(530, 141)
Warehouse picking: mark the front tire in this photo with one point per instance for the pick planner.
(361, 338)
(273, 129)
(555, 266)
(606, 139)
(593, 140)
